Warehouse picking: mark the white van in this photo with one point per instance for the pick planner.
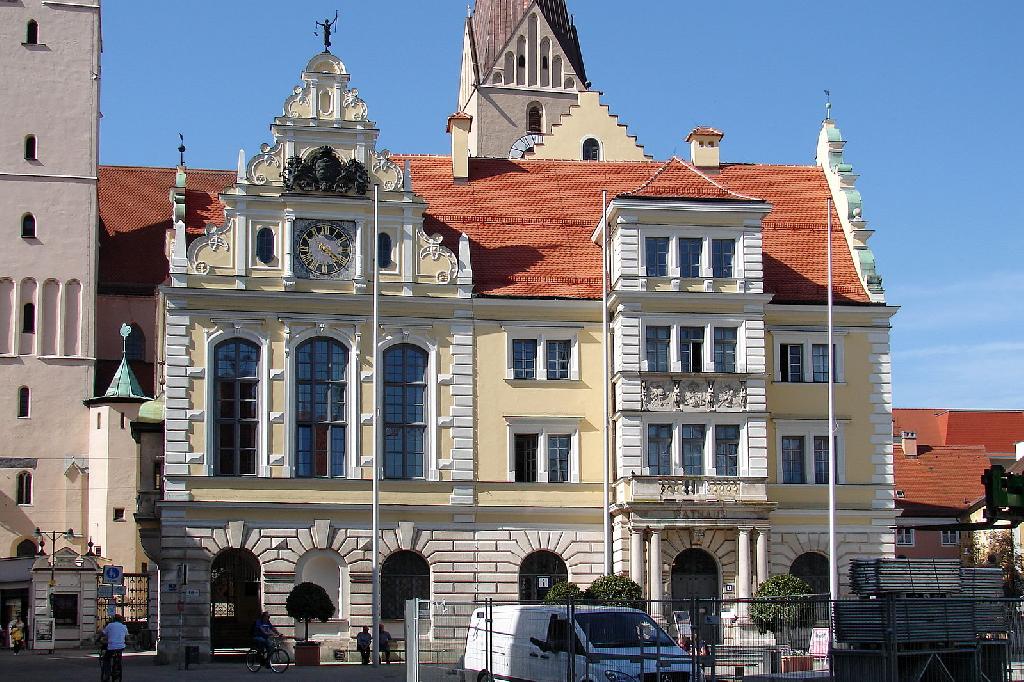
(532, 643)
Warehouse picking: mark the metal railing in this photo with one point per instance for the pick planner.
(888, 640)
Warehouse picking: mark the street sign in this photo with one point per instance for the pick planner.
(113, 575)
(191, 593)
(172, 587)
(104, 591)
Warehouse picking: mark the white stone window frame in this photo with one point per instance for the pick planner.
(809, 339)
(543, 427)
(709, 421)
(708, 347)
(705, 234)
(809, 429)
(394, 336)
(905, 537)
(225, 331)
(349, 337)
(542, 335)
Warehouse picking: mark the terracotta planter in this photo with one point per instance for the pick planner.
(307, 653)
(796, 664)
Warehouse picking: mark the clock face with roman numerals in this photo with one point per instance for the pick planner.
(323, 248)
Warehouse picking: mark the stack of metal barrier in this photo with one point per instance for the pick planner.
(876, 577)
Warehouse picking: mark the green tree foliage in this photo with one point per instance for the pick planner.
(309, 601)
(614, 588)
(777, 606)
(995, 548)
(563, 592)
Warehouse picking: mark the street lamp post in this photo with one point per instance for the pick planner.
(41, 536)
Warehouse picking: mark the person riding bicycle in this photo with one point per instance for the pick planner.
(262, 631)
(114, 635)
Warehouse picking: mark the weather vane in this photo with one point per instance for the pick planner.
(126, 331)
(181, 150)
(327, 25)
(828, 105)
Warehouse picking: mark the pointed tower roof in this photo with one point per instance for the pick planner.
(124, 387)
(494, 21)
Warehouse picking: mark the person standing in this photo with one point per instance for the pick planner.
(363, 641)
(16, 632)
(385, 644)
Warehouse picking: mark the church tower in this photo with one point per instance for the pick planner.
(522, 68)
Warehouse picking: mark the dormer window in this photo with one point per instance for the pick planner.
(32, 32)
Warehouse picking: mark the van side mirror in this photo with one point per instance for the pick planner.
(542, 645)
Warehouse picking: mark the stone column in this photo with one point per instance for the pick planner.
(761, 555)
(636, 556)
(656, 590)
(743, 563)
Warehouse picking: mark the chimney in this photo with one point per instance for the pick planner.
(909, 439)
(705, 143)
(459, 125)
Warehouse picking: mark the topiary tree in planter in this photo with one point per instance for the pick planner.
(782, 606)
(309, 601)
(563, 592)
(615, 589)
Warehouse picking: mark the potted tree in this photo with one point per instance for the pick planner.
(306, 602)
(782, 606)
(563, 592)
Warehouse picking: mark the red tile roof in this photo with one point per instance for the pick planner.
(705, 131)
(679, 179)
(940, 481)
(995, 430)
(529, 221)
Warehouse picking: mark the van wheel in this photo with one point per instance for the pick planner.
(485, 677)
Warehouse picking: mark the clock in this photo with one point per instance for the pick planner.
(323, 248)
(524, 144)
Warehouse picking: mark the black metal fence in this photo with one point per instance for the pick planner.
(852, 640)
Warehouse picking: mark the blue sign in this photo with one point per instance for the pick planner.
(113, 575)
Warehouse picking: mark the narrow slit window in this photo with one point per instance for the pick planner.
(28, 226)
(32, 32)
(24, 402)
(28, 319)
(31, 148)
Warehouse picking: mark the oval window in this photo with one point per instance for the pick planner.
(384, 250)
(265, 245)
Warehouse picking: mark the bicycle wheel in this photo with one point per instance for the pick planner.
(279, 660)
(115, 673)
(253, 661)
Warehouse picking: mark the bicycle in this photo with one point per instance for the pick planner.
(110, 665)
(277, 658)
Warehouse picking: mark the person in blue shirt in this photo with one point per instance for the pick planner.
(114, 635)
(262, 631)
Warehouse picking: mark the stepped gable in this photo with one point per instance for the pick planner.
(529, 222)
(494, 22)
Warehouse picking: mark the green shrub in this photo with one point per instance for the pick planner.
(309, 601)
(777, 605)
(614, 588)
(563, 592)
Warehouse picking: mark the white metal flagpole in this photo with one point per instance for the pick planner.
(605, 428)
(833, 560)
(375, 524)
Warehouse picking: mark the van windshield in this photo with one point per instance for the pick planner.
(622, 629)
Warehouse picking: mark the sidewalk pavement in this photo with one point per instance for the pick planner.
(75, 665)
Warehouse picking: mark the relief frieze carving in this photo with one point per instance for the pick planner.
(214, 240)
(676, 395)
(323, 171)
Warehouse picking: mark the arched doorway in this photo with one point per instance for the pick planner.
(813, 569)
(405, 575)
(538, 574)
(234, 598)
(695, 575)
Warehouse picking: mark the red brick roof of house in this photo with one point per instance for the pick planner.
(529, 221)
(995, 430)
(941, 481)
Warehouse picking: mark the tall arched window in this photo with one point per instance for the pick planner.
(24, 488)
(28, 318)
(321, 407)
(32, 32)
(405, 419)
(591, 150)
(535, 119)
(24, 402)
(384, 250)
(31, 151)
(28, 226)
(135, 344)
(236, 363)
(405, 575)
(812, 568)
(538, 574)
(265, 245)
(26, 548)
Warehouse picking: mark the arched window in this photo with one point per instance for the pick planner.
(405, 419)
(538, 574)
(812, 568)
(24, 488)
(26, 548)
(591, 150)
(265, 245)
(236, 363)
(384, 250)
(31, 152)
(321, 407)
(535, 119)
(28, 318)
(405, 575)
(32, 32)
(28, 226)
(135, 344)
(323, 567)
(24, 402)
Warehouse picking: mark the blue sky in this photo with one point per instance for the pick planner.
(928, 95)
